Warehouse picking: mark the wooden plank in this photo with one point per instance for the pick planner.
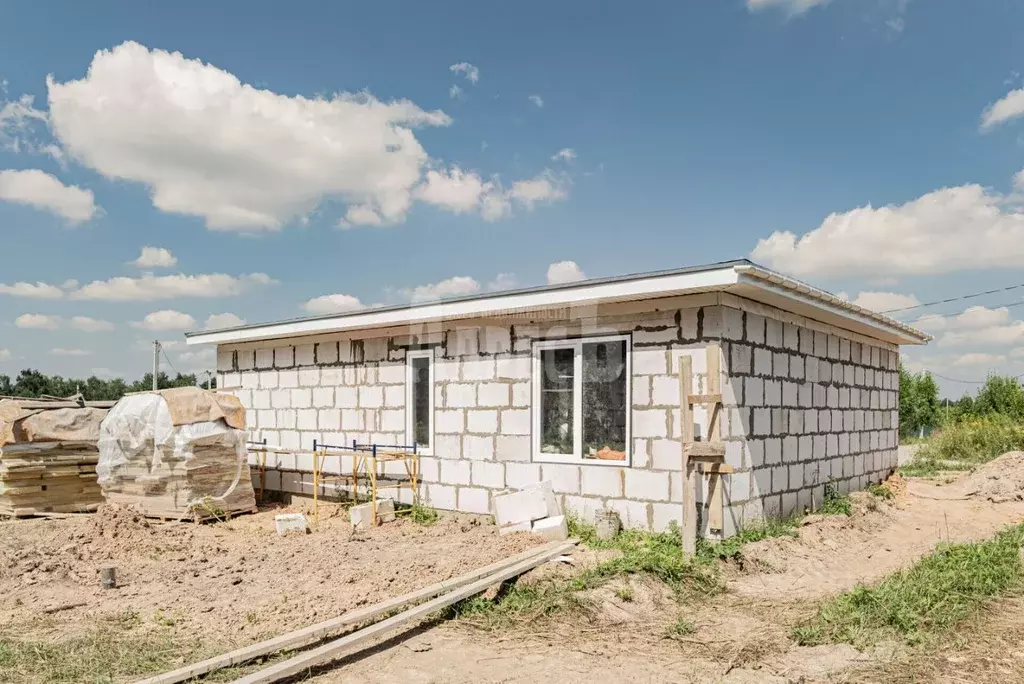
(320, 630)
(722, 468)
(714, 386)
(705, 398)
(339, 647)
(707, 449)
(689, 528)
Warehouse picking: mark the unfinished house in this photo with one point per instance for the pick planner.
(789, 388)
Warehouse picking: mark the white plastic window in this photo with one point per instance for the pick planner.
(419, 399)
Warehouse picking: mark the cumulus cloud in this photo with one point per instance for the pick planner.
(17, 118)
(978, 326)
(546, 187)
(332, 303)
(959, 228)
(451, 287)
(455, 92)
(885, 301)
(564, 154)
(40, 190)
(1008, 107)
(60, 351)
(565, 272)
(461, 192)
(156, 257)
(208, 145)
(32, 290)
(503, 281)
(87, 324)
(223, 320)
(5, 355)
(791, 7)
(537, 100)
(975, 359)
(37, 321)
(471, 72)
(168, 319)
(149, 288)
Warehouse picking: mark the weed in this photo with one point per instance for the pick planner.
(162, 619)
(880, 491)
(834, 503)
(731, 547)
(252, 617)
(973, 442)
(927, 599)
(680, 628)
(624, 594)
(423, 515)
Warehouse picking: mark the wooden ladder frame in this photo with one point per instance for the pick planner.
(708, 454)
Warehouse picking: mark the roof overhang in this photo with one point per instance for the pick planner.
(741, 278)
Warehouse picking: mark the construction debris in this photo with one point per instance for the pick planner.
(177, 453)
(290, 523)
(48, 456)
(533, 509)
(361, 516)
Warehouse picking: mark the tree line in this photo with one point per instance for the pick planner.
(921, 410)
(31, 383)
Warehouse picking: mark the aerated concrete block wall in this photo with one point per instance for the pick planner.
(337, 391)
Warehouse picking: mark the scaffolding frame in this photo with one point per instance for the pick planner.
(365, 459)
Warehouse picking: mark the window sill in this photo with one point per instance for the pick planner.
(576, 460)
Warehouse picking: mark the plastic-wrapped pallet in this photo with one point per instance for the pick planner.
(48, 458)
(177, 453)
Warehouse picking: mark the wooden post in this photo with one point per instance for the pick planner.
(714, 386)
(689, 531)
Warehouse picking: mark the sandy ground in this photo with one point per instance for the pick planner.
(237, 582)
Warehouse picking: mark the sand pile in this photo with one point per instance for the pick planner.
(999, 480)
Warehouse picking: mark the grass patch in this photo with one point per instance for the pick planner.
(835, 503)
(680, 628)
(423, 515)
(928, 599)
(973, 442)
(880, 491)
(624, 594)
(730, 548)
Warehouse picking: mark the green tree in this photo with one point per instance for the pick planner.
(1000, 395)
(919, 402)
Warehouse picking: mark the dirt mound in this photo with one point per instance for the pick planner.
(999, 480)
(122, 523)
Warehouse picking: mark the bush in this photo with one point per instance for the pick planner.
(973, 441)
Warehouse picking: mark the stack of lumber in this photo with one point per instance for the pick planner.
(48, 456)
(177, 453)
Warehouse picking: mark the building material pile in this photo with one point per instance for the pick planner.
(177, 453)
(48, 456)
(533, 509)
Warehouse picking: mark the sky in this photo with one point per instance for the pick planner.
(172, 167)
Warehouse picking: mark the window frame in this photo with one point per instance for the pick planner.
(576, 344)
(410, 430)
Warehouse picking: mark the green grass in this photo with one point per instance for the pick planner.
(834, 503)
(423, 515)
(880, 492)
(731, 547)
(928, 599)
(973, 442)
(680, 628)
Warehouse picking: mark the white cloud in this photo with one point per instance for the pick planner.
(5, 355)
(40, 190)
(959, 228)
(1010, 106)
(451, 287)
(885, 301)
(503, 281)
(332, 303)
(168, 319)
(455, 92)
(537, 100)
(223, 320)
(104, 373)
(148, 287)
(792, 7)
(975, 359)
(37, 321)
(87, 324)
(565, 272)
(16, 121)
(471, 73)
(546, 187)
(204, 358)
(565, 154)
(361, 215)
(978, 326)
(241, 158)
(59, 351)
(156, 257)
(32, 290)
(69, 284)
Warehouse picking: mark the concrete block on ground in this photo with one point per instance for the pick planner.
(532, 503)
(518, 527)
(361, 516)
(290, 523)
(554, 528)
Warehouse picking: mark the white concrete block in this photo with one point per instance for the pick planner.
(601, 481)
(286, 419)
(284, 357)
(392, 420)
(650, 423)
(441, 496)
(555, 528)
(521, 475)
(762, 362)
(632, 513)
(290, 523)
(448, 446)
(430, 469)
(281, 398)
(523, 506)
(309, 377)
(665, 514)
(477, 369)
(478, 448)
(513, 448)
(653, 361)
(488, 474)
(264, 358)
(521, 394)
(329, 419)
(455, 471)
(460, 395)
(327, 352)
(641, 390)
(659, 335)
(564, 478)
(290, 439)
(391, 373)
(515, 422)
(323, 397)
(346, 397)
(225, 360)
(394, 396)
(525, 526)
(250, 380)
(515, 368)
(493, 394)
(332, 377)
(495, 340)
(772, 393)
(666, 454)
(482, 421)
(266, 419)
(371, 397)
(261, 399)
(665, 391)
(352, 419)
(647, 485)
(449, 421)
(472, 500)
(302, 398)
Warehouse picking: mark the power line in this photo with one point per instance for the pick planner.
(1010, 305)
(954, 299)
(168, 360)
(967, 382)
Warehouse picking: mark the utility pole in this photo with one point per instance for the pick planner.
(156, 363)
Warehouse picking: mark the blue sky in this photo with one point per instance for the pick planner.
(883, 135)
